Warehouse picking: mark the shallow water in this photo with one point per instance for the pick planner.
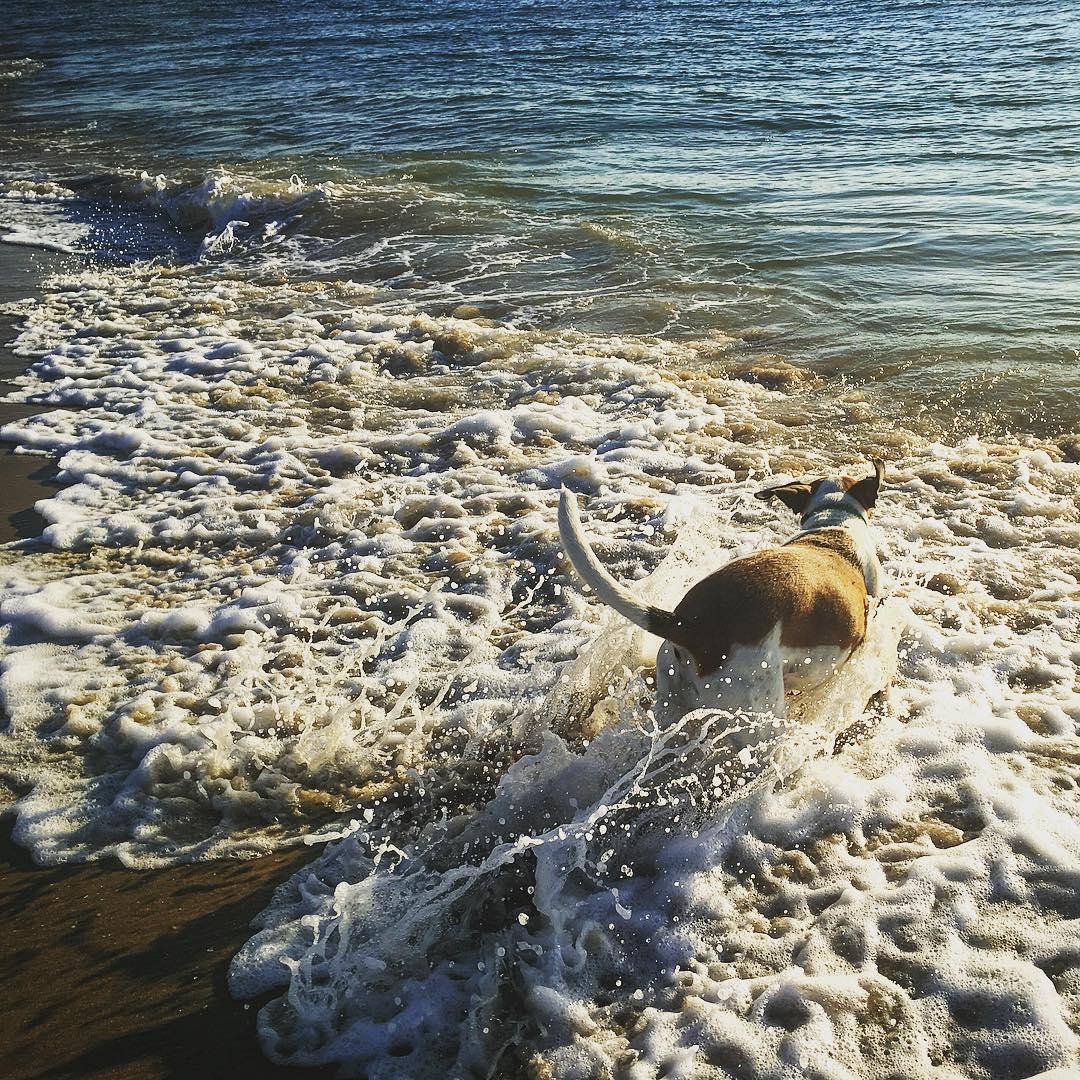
(885, 192)
(326, 366)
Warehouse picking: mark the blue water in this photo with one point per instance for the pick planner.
(887, 193)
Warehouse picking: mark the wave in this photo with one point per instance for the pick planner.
(19, 68)
(219, 214)
(229, 211)
(442, 248)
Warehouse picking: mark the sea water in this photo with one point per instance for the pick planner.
(347, 296)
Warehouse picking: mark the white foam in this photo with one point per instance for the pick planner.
(221, 212)
(304, 581)
(18, 68)
(33, 214)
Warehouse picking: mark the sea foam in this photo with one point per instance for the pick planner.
(304, 584)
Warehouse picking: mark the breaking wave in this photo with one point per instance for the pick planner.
(220, 214)
(18, 68)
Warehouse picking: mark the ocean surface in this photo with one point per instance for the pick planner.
(340, 296)
(886, 193)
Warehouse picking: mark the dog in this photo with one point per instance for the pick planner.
(768, 626)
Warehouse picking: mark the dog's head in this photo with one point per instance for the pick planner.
(808, 498)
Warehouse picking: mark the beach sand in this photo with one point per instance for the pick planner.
(109, 972)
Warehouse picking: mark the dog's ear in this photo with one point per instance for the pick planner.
(794, 496)
(865, 492)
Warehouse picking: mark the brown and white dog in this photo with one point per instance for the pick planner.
(773, 623)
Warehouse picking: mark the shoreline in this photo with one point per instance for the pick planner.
(27, 477)
(983, 704)
(111, 972)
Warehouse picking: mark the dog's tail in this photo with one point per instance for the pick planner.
(652, 619)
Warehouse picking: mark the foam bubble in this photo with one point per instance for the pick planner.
(304, 582)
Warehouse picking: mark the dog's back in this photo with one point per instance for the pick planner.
(810, 588)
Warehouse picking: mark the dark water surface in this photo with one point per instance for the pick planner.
(885, 191)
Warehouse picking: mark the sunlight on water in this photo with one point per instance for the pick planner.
(884, 191)
(341, 299)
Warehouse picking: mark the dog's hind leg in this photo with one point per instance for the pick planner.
(751, 686)
(733, 734)
(678, 687)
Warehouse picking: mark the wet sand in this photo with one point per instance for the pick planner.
(109, 972)
(121, 973)
(24, 478)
